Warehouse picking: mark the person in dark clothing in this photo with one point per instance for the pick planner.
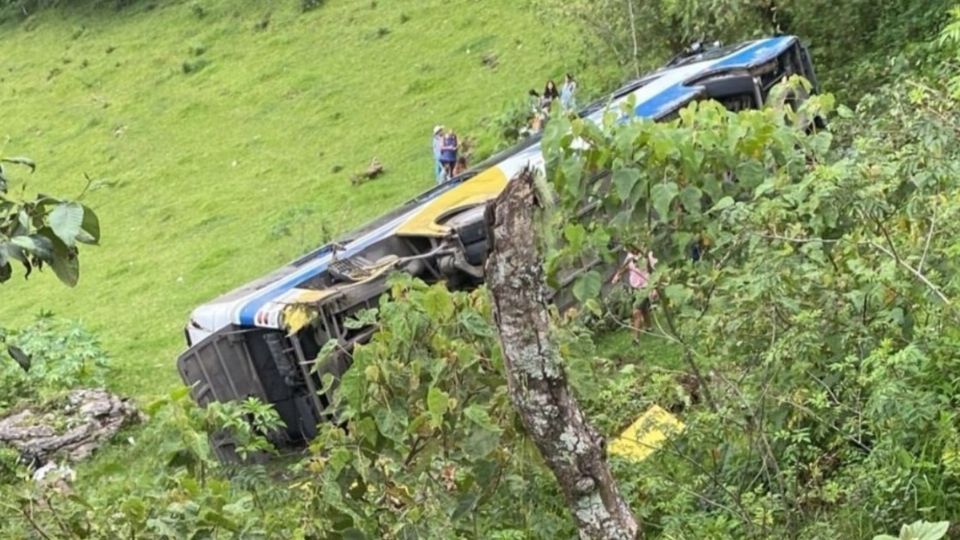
(448, 153)
(550, 94)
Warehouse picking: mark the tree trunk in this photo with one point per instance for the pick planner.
(536, 379)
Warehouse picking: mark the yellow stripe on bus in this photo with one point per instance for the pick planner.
(477, 190)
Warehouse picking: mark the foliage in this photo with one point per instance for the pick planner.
(428, 448)
(810, 291)
(950, 40)
(44, 230)
(857, 45)
(919, 530)
(431, 447)
(189, 496)
(47, 357)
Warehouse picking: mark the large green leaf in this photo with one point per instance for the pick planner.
(691, 197)
(624, 180)
(65, 263)
(438, 304)
(588, 286)
(66, 220)
(663, 195)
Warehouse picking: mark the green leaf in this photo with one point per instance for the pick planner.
(90, 228)
(65, 263)
(721, 205)
(437, 403)
(66, 220)
(479, 416)
(575, 235)
(691, 198)
(663, 195)
(21, 357)
(624, 180)
(924, 530)
(438, 304)
(678, 293)
(475, 324)
(35, 244)
(26, 162)
(218, 519)
(588, 286)
(363, 319)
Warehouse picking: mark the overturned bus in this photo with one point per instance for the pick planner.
(259, 341)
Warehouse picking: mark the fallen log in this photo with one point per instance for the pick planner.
(71, 428)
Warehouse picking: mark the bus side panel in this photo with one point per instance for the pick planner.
(219, 369)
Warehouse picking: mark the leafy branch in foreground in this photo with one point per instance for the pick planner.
(42, 231)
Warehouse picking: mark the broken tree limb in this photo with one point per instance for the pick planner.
(71, 428)
(536, 378)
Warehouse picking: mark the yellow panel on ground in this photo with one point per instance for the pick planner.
(479, 189)
(645, 435)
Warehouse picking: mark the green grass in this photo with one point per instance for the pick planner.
(194, 173)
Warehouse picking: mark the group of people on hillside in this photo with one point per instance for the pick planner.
(448, 162)
(543, 104)
(447, 158)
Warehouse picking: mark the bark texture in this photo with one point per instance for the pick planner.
(537, 382)
(83, 421)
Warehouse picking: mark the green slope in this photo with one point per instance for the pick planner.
(195, 173)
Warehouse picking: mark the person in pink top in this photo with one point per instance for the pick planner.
(638, 277)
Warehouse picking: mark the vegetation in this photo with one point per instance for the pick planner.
(857, 45)
(808, 346)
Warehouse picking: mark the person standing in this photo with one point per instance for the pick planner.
(568, 93)
(638, 277)
(550, 94)
(437, 143)
(448, 153)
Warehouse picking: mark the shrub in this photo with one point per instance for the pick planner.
(52, 355)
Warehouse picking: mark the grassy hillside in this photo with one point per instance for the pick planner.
(221, 137)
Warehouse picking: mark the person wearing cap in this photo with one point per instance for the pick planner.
(438, 172)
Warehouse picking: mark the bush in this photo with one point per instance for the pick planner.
(52, 355)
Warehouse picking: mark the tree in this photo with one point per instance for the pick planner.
(42, 231)
(536, 379)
